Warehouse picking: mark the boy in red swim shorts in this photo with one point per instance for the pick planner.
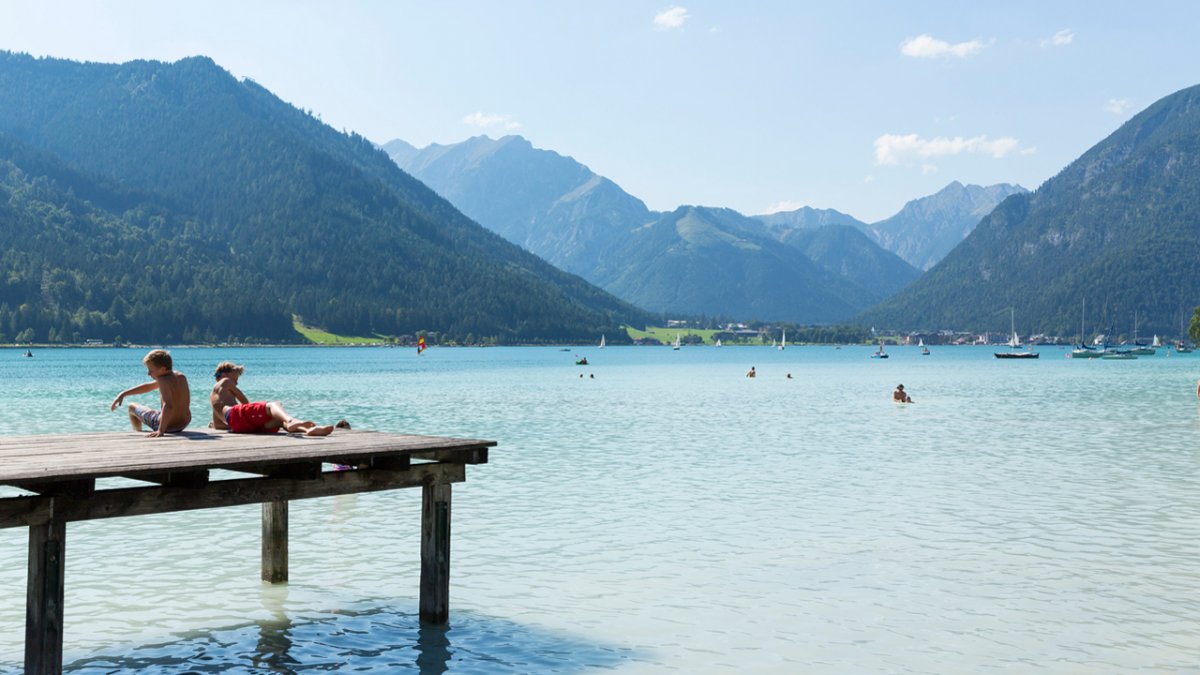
(233, 411)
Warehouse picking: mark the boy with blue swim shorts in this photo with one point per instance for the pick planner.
(174, 397)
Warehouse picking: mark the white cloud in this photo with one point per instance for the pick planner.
(488, 120)
(670, 18)
(927, 169)
(1117, 106)
(1028, 151)
(895, 149)
(1062, 38)
(785, 205)
(929, 47)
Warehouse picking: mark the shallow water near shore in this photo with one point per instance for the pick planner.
(669, 514)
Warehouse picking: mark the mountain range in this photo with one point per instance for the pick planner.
(693, 260)
(1117, 229)
(174, 202)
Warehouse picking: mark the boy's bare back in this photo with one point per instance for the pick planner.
(173, 388)
(224, 393)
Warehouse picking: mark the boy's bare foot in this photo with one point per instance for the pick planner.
(319, 431)
(298, 426)
(342, 424)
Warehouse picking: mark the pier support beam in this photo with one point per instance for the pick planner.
(275, 542)
(44, 598)
(435, 553)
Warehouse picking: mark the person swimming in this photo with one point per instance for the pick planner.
(901, 396)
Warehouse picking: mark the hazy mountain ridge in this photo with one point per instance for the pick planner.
(928, 228)
(1117, 227)
(549, 204)
(586, 224)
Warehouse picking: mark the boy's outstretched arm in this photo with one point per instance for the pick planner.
(133, 391)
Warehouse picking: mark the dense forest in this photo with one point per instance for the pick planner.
(1117, 229)
(174, 203)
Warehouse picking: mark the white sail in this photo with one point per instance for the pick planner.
(601, 342)
(676, 345)
(1013, 341)
(718, 343)
(783, 342)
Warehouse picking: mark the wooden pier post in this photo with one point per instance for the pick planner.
(435, 553)
(44, 598)
(275, 542)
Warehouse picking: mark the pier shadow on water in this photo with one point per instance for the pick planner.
(371, 637)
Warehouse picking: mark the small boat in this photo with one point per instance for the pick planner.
(601, 342)
(675, 346)
(1085, 352)
(1183, 347)
(28, 354)
(924, 349)
(880, 354)
(1119, 355)
(783, 342)
(1138, 348)
(581, 361)
(1014, 342)
(1156, 342)
(718, 344)
(1015, 355)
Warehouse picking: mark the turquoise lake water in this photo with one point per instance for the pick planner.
(667, 515)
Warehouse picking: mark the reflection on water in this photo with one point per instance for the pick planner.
(367, 637)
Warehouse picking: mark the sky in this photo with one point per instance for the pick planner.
(759, 106)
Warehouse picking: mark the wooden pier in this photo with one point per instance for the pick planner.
(61, 471)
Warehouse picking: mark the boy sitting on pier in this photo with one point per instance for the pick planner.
(175, 397)
(233, 411)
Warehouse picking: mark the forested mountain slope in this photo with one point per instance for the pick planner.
(307, 220)
(1119, 227)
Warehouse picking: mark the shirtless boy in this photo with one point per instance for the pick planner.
(234, 412)
(175, 397)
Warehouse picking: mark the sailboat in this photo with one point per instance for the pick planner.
(601, 341)
(718, 344)
(1180, 345)
(924, 349)
(675, 346)
(783, 342)
(1139, 349)
(1083, 351)
(1014, 342)
(880, 354)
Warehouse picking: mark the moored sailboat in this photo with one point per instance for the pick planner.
(1014, 342)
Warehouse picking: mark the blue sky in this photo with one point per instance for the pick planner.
(858, 106)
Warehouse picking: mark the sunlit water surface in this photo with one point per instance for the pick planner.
(669, 514)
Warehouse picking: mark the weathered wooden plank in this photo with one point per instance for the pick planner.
(295, 470)
(128, 453)
(454, 456)
(435, 552)
(31, 510)
(78, 488)
(275, 542)
(174, 478)
(44, 597)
